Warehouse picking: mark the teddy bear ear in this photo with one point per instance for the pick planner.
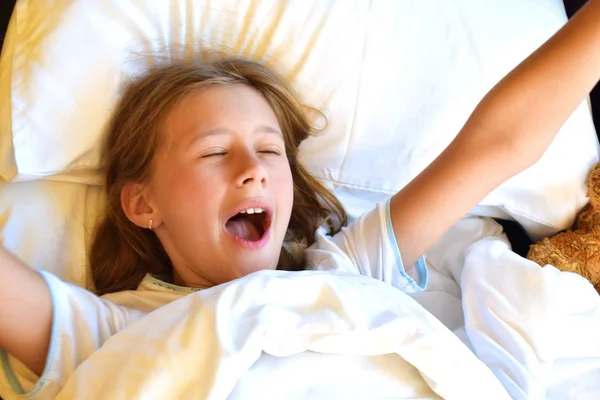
(588, 219)
(593, 183)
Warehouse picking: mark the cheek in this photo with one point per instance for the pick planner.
(183, 189)
(285, 186)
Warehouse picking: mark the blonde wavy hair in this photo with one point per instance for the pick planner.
(121, 253)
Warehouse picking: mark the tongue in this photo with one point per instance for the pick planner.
(243, 228)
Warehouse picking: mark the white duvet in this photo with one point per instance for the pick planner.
(527, 333)
(202, 346)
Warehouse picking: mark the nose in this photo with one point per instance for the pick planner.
(251, 171)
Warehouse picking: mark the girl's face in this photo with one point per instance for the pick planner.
(221, 192)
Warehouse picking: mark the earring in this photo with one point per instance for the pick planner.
(150, 224)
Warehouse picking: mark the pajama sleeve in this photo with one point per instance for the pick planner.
(81, 324)
(368, 247)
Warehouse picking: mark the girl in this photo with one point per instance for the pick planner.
(203, 187)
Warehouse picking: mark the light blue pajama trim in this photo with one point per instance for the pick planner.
(169, 286)
(10, 374)
(420, 265)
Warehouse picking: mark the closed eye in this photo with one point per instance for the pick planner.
(214, 154)
(272, 152)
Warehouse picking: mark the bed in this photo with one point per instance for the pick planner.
(409, 72)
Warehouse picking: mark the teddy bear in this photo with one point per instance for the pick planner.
(576, 250)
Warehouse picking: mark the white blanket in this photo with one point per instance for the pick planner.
(533, 333)
(537, 329)
(202, 346)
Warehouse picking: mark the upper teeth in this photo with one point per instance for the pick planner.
(252, 211)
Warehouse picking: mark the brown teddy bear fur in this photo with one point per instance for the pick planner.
(576, 250)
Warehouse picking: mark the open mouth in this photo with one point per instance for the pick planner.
(249, 225)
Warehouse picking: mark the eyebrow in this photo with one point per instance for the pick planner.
(267, 129)
(223, 131)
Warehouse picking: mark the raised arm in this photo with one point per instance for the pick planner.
(508, 132)
(25, 313)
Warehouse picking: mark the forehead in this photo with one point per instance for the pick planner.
(234, 108)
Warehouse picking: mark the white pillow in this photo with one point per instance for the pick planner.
(48, 225)
(398, 79)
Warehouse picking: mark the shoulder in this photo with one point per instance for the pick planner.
(367, 247)
(343, 250)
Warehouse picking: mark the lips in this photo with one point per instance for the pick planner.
(250, 226)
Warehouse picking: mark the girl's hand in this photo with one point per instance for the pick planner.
(509, 131)
(25, 313)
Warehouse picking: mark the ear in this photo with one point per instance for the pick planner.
(137, 208)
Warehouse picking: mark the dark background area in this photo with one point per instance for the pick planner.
(6, 7)
(519, 239)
